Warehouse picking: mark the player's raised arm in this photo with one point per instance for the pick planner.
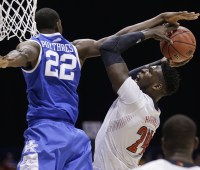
(111, 51)
(88, 48)
(166, 17)
(174, 17)
(25, 55)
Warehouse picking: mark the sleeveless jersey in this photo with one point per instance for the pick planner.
(52, 83)
(127, 129)
(162, 164)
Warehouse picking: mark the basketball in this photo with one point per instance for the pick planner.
(183, 47)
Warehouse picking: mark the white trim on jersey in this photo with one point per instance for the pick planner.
(77, 56)
(52, 34)
(38, 61)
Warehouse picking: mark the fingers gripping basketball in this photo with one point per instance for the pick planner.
(183, 47)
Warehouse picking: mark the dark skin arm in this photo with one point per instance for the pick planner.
(88, 48)
(25, 54)
(28, 52)
(118, 72)
(133, 73)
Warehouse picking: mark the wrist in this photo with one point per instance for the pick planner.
(162, 17)
(164, 59)
(147, 34)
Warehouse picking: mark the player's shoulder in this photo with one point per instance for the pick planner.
(130, 85)
(160, 163)
(28, 44)
(152, 165)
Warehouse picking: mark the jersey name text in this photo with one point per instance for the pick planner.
(152, 120)
(57, 46)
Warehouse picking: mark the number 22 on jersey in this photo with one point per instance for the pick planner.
(54, 63)
(146, 135)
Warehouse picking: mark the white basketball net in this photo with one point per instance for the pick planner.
(17, 19)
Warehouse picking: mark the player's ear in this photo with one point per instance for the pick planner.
(196, 142)
(59, 26)
(157, 86)
(163, 144)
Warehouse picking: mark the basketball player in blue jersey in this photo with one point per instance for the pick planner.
(179, 141)
(51, 66)
(134, 116)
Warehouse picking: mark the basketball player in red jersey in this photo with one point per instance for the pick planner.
(133, 117)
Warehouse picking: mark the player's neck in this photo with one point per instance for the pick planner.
(47, 31)
(182, 157)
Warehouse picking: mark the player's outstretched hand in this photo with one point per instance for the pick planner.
(174, 64)
(174, 17)
(3, 62)
(160, 32)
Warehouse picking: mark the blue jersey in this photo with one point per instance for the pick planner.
(52, 83)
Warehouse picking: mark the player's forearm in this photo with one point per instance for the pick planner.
(133, 73)
(19, 62)
(121, 43)
(15, 59)
(157, 20)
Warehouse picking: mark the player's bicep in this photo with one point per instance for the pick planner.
(24, 54)
(86, 48)
(30, 50)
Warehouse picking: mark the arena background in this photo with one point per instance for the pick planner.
(96, 19)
